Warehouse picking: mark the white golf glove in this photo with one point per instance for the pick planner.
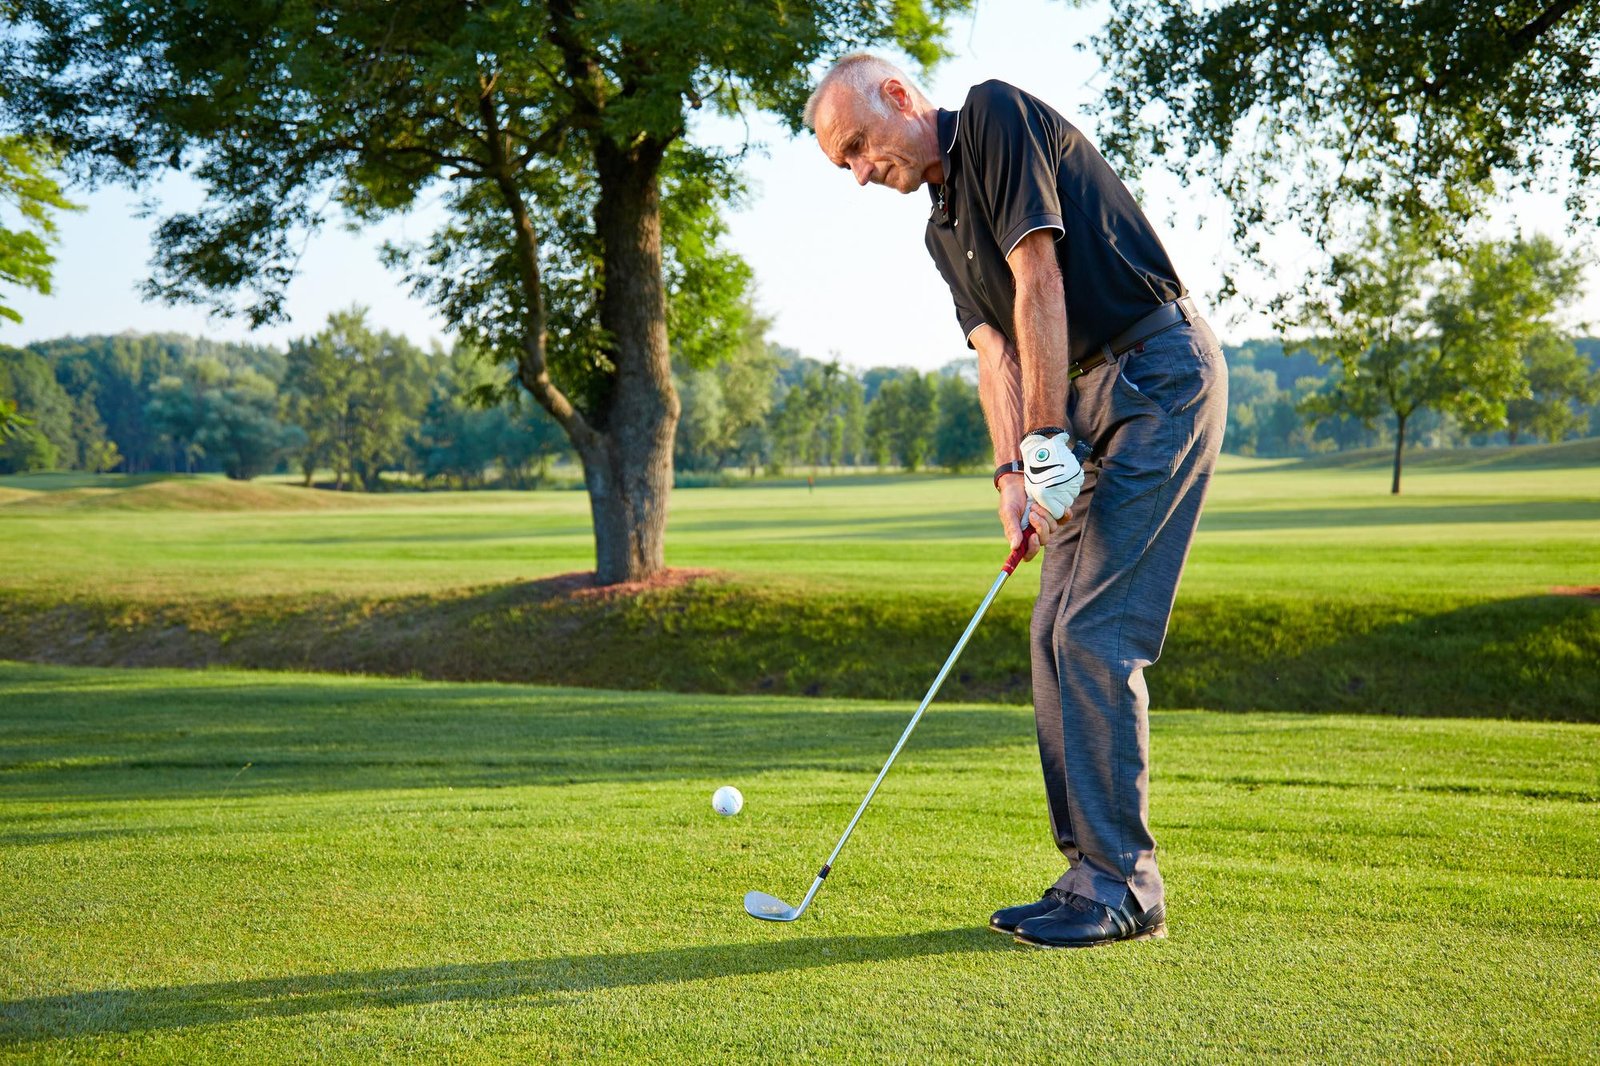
(1050, 472)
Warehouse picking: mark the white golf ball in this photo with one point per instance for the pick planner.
(727, 801)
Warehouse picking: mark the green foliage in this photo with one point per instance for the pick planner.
(726, 401)
(961, 439)
(241, 429)
(226, 416)
(1411, 330)
(43, 438)
(461, 440)
(356, 394)
(12, 421)
(119, 375)
(28, 190)
(1558, 379)
(903, 419)
(821, 420)
(1308, 110)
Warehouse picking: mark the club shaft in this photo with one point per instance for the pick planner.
(932, 691)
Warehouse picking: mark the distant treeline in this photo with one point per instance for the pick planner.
(354, 403)
(1268, 389)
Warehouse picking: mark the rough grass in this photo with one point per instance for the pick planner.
(264, 868)
(1308, 589)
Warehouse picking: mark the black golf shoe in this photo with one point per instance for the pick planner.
(1007, 919)
(1085, 923)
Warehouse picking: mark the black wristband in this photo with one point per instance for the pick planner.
(1047, 431)
(1013, 467)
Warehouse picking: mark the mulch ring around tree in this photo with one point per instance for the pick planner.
(580, 586)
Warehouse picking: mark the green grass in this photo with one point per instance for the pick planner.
(1269, 528)
(243, 867)
(1308, 588)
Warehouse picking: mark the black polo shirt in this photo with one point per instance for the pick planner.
(1013, 165)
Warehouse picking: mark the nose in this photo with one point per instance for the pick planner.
(862, 170)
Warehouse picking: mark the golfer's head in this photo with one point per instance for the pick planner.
(872, 120)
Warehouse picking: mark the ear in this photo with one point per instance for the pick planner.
(897, 94)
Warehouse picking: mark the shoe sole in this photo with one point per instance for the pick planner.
(1157, 933)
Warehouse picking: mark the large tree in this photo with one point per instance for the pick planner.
(549, 132)
(1305, 110)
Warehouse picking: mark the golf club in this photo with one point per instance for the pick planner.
(772, 909)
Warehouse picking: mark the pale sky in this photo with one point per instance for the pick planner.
(839, 269)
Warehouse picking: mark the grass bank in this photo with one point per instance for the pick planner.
(241, 867)
(1533, 657)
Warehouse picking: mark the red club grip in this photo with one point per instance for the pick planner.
(1016, 553)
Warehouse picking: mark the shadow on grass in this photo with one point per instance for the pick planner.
(534, 982)
(124, 734)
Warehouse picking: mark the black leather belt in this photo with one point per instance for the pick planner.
(1164, 317)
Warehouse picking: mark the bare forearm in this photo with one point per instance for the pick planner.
(1000, 392)
(1041, 325)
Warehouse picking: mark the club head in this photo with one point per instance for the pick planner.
(768, 908)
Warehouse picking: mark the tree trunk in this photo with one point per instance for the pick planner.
(629, 473)
(1399, 446)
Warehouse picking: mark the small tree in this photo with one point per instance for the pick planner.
(1413, 331)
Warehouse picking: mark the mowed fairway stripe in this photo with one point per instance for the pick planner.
(258, 867)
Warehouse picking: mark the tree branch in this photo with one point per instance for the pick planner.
(582, 70)
(532, 370)
(1548, 18)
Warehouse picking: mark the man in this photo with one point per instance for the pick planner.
(1079, 321)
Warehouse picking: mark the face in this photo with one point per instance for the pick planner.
(881, 149)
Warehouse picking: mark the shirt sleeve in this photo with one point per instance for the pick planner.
(967, 312)
(1014, 148)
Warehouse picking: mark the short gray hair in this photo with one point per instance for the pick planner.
(861, 72)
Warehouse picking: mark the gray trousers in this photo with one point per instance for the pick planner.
(1154, 421)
